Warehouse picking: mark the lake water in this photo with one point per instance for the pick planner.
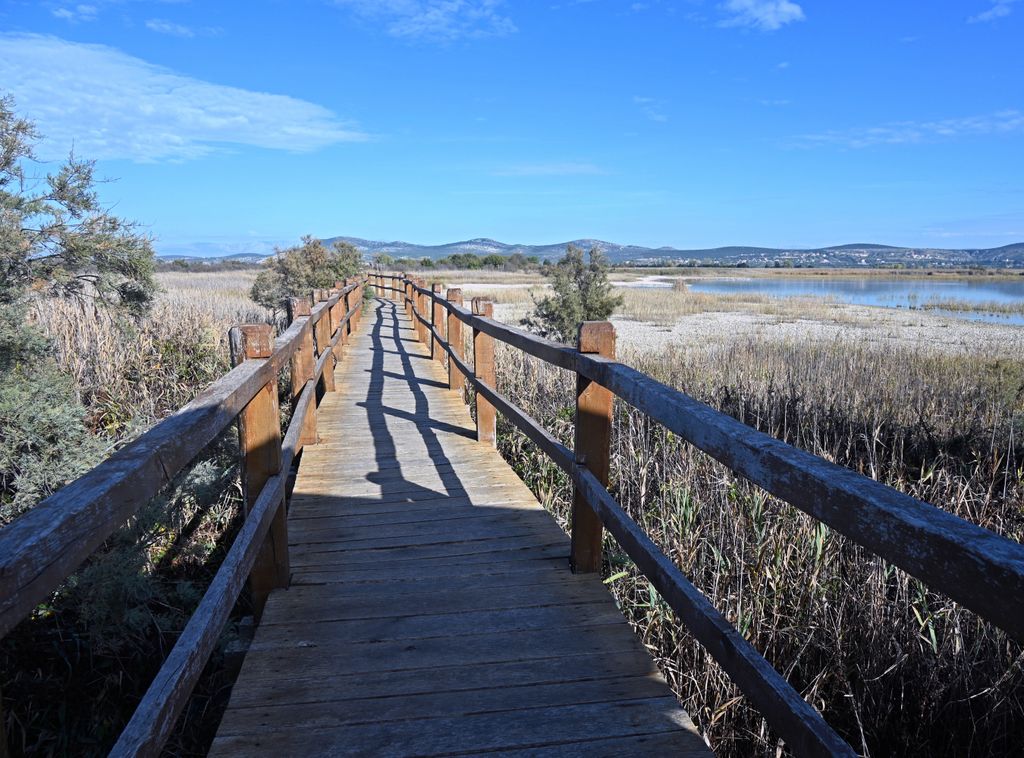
(897, 292)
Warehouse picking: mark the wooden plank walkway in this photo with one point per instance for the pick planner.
(431, 610)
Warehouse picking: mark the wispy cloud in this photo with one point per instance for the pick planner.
(999, 9)
(569, 168)
(162, 26)
(766, 15)
(652, 108)
(911, 132)
(112, 105)
(73, 13)
(435, 20)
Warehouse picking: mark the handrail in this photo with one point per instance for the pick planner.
(972, 565)
(45, 545)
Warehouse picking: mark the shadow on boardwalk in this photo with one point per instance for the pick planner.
(432, 610)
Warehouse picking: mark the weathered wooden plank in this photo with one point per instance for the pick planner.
(438, 705)
(473, 732)
(470, 550)
(425, 626)
(322, 604)
(533, 560)
(443, 679)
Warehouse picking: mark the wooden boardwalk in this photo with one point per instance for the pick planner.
(431, 609)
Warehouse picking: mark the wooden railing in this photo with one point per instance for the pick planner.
(973, 566)
(39, 550)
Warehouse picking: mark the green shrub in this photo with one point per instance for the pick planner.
(298, 270)
(581, 293)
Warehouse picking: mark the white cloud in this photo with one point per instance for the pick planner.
(161, 26)
(73, 13)
(999, 9)
(436, 20)
(551, 169)
(767, 15)
(910, 132)
(112, 105)
(651, 108)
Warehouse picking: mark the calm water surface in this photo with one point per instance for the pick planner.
(887, 293)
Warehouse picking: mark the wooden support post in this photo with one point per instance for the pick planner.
(303, 363)
(407, 297)
(356, 297)
(323, 341)
(455, 379)
(417, 305)
(259, 439)
(483, 368)
(437, 321)
(346, 329)
(593, 441)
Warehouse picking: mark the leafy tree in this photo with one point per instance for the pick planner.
(493, 260)
(55, 241)
(581, 293)
(298, 270)
(517, 262)
(426, 262)
(383, 260)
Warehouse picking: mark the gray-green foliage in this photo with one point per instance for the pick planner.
(55, 241)
(298, 270)
(582, 292)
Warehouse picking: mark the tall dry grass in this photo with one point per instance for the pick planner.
(896, 668)
(74, 670)
(130, 373)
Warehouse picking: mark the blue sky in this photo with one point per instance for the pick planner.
(235, 126)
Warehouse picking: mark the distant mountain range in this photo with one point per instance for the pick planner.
(856, 254)
(850, 255)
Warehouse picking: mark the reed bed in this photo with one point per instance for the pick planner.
(957, 305)
(73, 672)
(896, 668)
(131, 373)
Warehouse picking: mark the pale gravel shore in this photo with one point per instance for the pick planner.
(876, 326)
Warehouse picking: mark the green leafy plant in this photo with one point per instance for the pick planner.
(582, 292)
(56, 242)
(297, 270)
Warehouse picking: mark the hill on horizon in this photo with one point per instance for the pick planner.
(851, 254)
(859, 254)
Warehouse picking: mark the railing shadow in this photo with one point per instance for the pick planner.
(386, 333)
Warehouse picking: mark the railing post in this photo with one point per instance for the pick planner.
(437, 321)
(346, 328)
(407, 296)
(259, 439)
(455, 378)
(417, 308)
(302, 366)
(338, 310)
(357, 296)
(593, 441)
(323, 342)
(483, 369)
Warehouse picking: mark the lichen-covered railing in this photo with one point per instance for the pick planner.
(39, 550)
(973, 566)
